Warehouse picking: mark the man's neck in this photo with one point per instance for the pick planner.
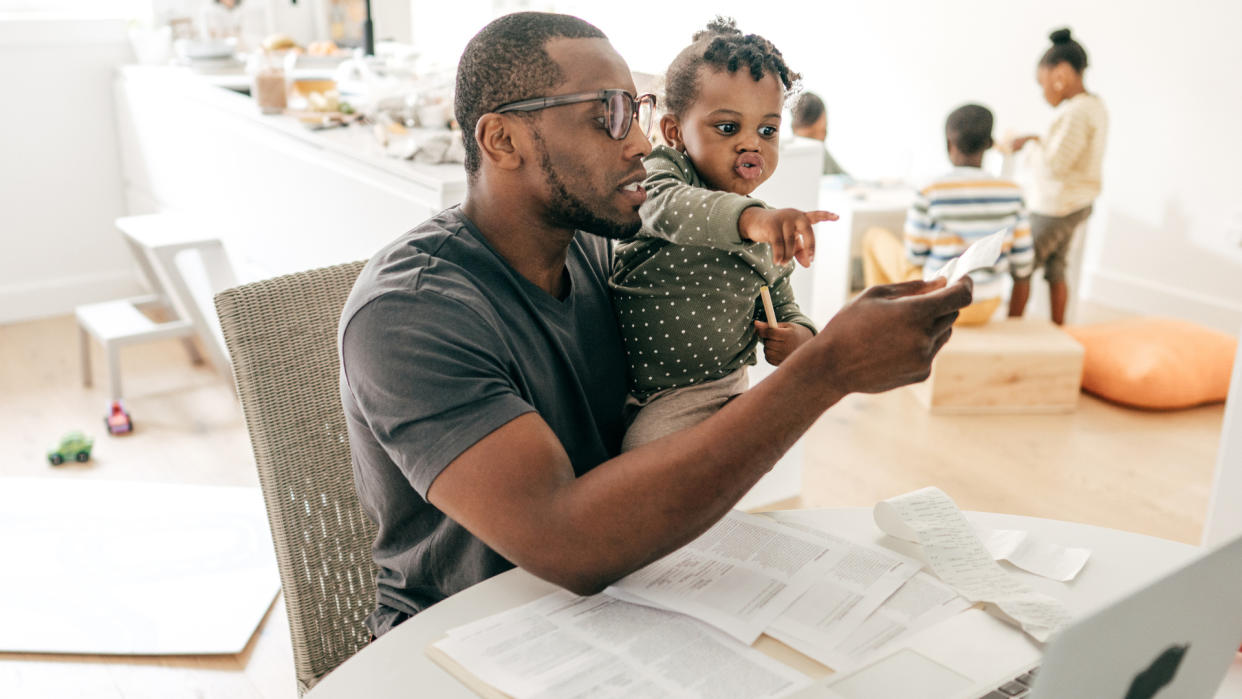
(536, 250)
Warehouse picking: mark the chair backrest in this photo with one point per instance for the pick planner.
(281, 334)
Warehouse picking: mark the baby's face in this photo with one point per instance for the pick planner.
(732, 130)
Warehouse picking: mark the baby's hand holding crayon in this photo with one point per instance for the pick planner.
(788, 231)
(781, 339)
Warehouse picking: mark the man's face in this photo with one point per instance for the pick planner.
(732, 130)
(588, 177)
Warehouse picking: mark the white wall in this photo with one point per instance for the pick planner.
(60, 179)
(1166, 235)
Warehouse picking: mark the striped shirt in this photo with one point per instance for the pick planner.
(961, 207)
(1065, 163)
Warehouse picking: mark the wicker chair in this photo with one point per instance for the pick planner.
(281, 334)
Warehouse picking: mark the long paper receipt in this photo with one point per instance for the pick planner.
(961, 560)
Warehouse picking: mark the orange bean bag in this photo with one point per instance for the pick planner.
(1155, 362)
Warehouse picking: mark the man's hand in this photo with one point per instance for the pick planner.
(888, 336)
(781, 340)
(788, 231)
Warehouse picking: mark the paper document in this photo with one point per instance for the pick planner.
(960, 559)
(982, 253)
(921, 602)
(563, 645)
(738, 576)
(860, 580)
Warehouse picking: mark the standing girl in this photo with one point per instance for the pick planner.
(1066, 166)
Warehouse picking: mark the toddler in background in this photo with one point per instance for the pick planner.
(687, 288)
(953, 211)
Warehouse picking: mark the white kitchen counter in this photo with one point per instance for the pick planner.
(283, 197)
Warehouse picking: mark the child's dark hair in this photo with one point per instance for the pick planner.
(970, 128)
(807, 110)
(1064, 50)
(722, 46)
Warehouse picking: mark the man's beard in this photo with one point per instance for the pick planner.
(570, 211)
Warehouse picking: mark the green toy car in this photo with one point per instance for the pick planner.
(73, 445)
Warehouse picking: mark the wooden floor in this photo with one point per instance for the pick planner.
(1140, 471)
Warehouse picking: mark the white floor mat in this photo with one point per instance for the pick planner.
(102, 567)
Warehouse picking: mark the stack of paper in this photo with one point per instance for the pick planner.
(568, 646)
(682, 626)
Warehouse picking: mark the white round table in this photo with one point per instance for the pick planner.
(396, 665)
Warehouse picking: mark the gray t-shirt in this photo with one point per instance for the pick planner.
(442, 342)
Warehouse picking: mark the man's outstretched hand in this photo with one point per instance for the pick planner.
(888, 336)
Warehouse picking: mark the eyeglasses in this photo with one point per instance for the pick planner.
(620, 108)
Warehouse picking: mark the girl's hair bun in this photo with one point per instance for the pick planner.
(1060, 36)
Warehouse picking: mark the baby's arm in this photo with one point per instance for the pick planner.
(684, 214)
(792, 330)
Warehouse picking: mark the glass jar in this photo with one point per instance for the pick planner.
(269, 84)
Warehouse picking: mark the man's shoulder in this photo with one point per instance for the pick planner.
(426, 264)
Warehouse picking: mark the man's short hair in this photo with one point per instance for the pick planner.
(506, 62)
(807, 110)
(970, 128)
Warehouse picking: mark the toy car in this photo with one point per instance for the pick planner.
(118, 420)
(73, 445)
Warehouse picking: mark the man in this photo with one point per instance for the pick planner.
(482, 372)
(810, 120)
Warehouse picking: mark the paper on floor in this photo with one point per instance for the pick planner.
(959, 558)
(981, 253)
(562, 645)
(738, 576)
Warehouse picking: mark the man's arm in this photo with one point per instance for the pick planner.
(515, 489)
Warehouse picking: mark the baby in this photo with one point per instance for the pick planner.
(687, 288)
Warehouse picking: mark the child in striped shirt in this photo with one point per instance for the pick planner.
(953, 211)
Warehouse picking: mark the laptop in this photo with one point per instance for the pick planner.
(1172, 639)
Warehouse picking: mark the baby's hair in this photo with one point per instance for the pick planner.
(807, 110)
(1064, 50)
(722, 46)
(970, 128)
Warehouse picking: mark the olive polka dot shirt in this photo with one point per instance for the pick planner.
(686, 288)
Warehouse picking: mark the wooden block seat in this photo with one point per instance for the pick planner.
(1011, 366)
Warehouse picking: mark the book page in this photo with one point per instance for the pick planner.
(858, 583)
(738, 576)
(562, 645)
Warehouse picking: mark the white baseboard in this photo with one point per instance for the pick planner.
(1154, 298)
(58, 296)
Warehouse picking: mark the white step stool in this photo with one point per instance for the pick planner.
(156, 241)
(116, 324)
